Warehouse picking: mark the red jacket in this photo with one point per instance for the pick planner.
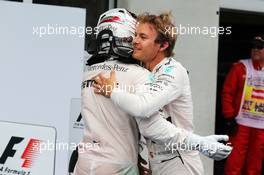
(233, 89)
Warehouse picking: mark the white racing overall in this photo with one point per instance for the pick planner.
(171, 92)
(110, 142)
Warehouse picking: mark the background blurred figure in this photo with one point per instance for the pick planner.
(243, 108)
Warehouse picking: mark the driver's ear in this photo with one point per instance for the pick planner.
(164, 46)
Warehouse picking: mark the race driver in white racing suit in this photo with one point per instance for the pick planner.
(110, 142)
(170, 90)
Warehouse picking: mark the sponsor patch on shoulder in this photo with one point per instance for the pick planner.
(168, 69)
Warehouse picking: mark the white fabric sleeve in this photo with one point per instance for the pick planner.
(150, 97)
(160, 130)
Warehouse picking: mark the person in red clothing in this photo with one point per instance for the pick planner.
(243, 108)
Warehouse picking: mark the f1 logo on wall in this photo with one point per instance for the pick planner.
(76, 121)
(24, 149)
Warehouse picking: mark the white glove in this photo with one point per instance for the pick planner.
(209, 145)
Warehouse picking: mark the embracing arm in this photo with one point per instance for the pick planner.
(152, 96)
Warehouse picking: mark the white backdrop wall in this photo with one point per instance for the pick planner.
(198, 53)
(40, 75)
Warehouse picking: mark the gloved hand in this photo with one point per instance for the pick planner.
(209, 145)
